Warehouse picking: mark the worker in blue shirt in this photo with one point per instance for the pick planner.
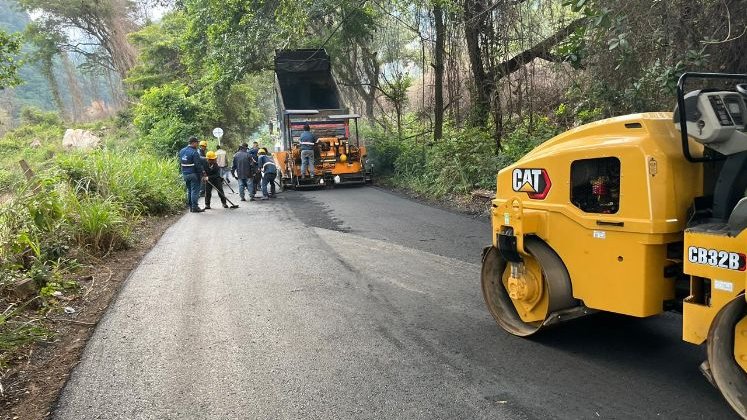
(193, 173)
(269, 172)
(308, 140)
(243, 170)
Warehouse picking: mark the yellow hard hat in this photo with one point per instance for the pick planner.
(343, 158)
(262, 151)
(203, 143)
(210, 155)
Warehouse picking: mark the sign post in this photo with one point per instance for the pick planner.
(218, 133)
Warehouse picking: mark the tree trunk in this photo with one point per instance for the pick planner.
(47, 70)
(360, 72)
(76, 95)
(438, 73)
(123, 53)
(474, 15)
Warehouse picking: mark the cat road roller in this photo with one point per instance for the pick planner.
(634, 215)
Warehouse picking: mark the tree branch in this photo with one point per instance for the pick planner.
(541, 50)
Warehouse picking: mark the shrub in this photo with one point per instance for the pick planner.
(464, 159)
(33, 224)
(35, 116)
(165, 117)
(525, 136)
(383, 149)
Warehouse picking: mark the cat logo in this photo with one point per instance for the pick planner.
(535, 182)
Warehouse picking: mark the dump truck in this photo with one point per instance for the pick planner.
(307, 94)
(635, 215)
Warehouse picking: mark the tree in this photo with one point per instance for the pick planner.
(172, 69)
(106, 23)
(394, 90)
(161, 54)
(487, 32)
(10, 46)
(634, 51)
(45, 48)
(350, 35)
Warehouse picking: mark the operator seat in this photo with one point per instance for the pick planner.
(738, 218)
(730, 185)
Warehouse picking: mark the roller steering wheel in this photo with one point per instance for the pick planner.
(742, 88)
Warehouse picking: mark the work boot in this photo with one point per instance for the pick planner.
(197, 210)
(251, 198)
(264, 197)
(225, 206)
(207, 207)
(243, 199)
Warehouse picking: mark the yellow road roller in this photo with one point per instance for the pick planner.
(634, 215)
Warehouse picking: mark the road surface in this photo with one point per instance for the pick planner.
(358, 303)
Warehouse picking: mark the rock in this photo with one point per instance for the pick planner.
(35, 144)
(25, 289)
(79, 139)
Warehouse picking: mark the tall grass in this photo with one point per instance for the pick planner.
(89, 200)
(101, 223)
(141, 183)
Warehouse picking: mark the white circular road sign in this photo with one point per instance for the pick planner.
(218, 132)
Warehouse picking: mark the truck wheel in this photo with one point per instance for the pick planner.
(521, 306)
(729, 376)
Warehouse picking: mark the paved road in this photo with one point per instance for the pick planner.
(357, 303)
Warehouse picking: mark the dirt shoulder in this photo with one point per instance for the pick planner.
(31, 385)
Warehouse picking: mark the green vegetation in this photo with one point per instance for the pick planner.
(463, 160)
(165, 117)
(79, 206)
(181, 92)
(10, 45)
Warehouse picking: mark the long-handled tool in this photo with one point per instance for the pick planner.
(227, 184)
(233, 206)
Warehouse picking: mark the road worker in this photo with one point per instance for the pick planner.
(193, 173)
(254, 151)
(269, 172)
(243, 169)
(222, 161)
(214, 180)
(308, 141)
(203, 150)
(254, 154)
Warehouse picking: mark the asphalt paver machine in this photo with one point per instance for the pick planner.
(634, 215)
(339, 157)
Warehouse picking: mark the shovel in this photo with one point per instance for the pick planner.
(233, 206)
